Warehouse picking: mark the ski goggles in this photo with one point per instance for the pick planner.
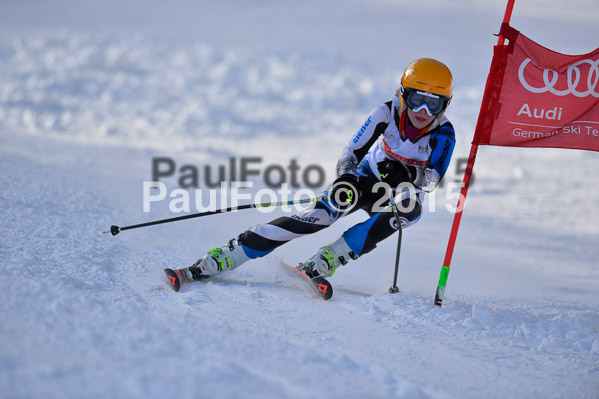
(432, 103)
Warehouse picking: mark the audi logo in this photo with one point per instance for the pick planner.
(573, 74)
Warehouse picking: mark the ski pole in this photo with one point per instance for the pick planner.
(114, 230)
(394, 289)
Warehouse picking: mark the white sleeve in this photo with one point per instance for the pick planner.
(363, 139)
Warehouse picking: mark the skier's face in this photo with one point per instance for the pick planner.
(420, 119)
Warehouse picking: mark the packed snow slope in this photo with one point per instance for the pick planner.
(89, 95)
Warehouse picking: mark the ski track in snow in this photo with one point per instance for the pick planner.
(85, 314)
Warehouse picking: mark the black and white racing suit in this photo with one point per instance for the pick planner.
(378, 152)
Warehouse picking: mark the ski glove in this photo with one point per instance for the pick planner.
(394, 173)
(345, 191)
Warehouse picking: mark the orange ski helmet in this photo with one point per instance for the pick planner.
(427, 75)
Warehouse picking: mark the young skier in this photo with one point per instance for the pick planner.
(405, 140)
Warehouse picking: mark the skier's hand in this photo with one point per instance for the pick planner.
(345, 191)
(395, 172)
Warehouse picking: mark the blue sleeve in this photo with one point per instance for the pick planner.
(442, 144)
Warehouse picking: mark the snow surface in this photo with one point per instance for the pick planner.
(91, 91)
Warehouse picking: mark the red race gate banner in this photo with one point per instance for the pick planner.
(536, 97)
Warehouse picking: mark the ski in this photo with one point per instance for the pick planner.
(321, 286)
(177, 278)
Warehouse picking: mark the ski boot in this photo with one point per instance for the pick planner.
(213, 262)
(328, 259)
